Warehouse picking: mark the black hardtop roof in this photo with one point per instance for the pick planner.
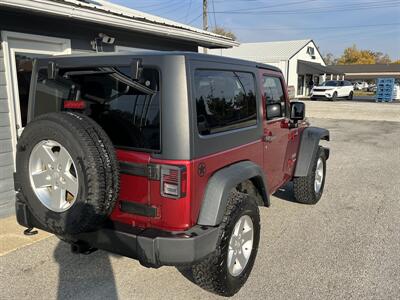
(117, 57)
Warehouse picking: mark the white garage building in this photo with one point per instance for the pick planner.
(300, 61)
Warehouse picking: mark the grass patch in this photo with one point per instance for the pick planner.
(363, 93)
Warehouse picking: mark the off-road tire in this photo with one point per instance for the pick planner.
(303, 187)
(212, 273)
(95, 160)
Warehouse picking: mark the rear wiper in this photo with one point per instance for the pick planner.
(128, 81)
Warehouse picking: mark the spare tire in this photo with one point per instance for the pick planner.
(67, 172)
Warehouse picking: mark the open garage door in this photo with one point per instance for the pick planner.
(19, 51)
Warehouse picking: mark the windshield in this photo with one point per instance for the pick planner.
(330, 83)
(127, 110)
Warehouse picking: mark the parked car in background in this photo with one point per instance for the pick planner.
(332, 90)
(360, 85)
(371, 88)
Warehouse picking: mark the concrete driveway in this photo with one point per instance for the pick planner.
(346, 246)
(354, 110)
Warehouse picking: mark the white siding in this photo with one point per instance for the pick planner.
(240, 53)
(302, 55)
(282, 65)
(7, 194)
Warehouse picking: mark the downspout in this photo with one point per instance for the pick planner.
(287, 72)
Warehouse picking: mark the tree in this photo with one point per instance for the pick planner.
(352, 56)
(397, 62)
(330, 59)
(381, 58)
(224, 32)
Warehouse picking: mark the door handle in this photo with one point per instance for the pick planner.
(269, 138)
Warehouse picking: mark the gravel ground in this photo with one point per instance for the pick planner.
(347, 246)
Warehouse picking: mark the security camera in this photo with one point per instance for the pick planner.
(106, 39)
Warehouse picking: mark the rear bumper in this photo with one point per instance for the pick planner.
(153, 248)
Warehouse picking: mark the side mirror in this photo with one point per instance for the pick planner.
(274, 111)
(297, 111)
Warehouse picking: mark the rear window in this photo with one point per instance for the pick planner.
(128, 111)
(225, 100)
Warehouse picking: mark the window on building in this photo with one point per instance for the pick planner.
(310, 50)
(225, 100)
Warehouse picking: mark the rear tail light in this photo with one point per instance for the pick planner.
(70, 104)
(173, 181)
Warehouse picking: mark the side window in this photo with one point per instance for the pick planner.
(274, 94)
(225, 100)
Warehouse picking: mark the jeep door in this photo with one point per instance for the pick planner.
(276, 132)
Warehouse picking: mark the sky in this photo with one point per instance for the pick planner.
(333, 24)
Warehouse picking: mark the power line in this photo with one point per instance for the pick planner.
(155, 5)
(372, 34)
(315, 28)
(171, 6)
(349, 8)
(294, 3)
(195, 19)
(188, 11)
(273, 5)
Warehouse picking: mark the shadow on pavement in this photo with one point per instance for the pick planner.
(84, 276)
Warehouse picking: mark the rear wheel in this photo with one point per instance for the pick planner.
(226, 271)
(67, 172)
(308, 189)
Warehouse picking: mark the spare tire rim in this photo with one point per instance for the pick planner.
(53, 175)
(319, 176)
(240, 245)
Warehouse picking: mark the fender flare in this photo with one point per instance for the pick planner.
(309, 142)
(221, 184)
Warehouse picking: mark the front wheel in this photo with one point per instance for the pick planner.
(308, 189)
(334, 96)
(227, 270)
(350, 97)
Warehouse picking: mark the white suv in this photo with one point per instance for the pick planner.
(332, 90)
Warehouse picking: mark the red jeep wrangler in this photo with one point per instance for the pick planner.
(164, 158)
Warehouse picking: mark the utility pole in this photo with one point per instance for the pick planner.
(205, 20)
